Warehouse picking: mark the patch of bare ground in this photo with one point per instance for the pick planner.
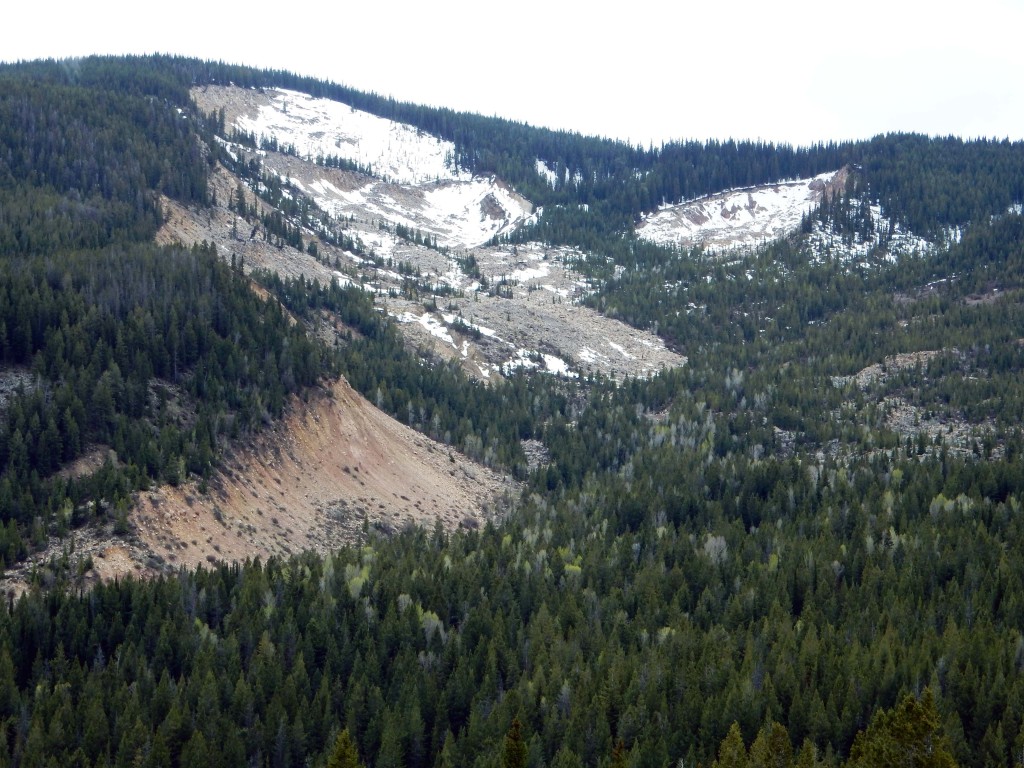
(81, 558)
(990, 296)
(12, 381)
(89, 462)
(236, 102)
(537, 454)
(232, 235)
(911, 420)
(880, 372)
(332, 469)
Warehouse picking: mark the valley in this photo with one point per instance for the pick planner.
(339, 430)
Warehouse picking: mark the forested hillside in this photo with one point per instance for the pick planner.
(802, 547)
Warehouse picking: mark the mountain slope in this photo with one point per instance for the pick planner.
(334, 464)
(417, 239)
(807, 531)
(411, 177)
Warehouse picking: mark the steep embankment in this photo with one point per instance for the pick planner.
(333, 465)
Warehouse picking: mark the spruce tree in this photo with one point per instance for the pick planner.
(513, 754)
(906, 736)
(343, 753)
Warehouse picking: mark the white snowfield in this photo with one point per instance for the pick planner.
(414, 180)
(736, 219)
(322, 128)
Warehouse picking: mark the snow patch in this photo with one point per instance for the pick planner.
(322, 128)
(738, 218)
(432, 324)
(557, 366)
(452, 320)
(417, 184)
(543, 363)
(591, 356)
(620, 349)
(525, 274)
(888, 240)
(546, 173)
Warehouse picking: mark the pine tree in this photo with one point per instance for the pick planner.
(732, 753)
(343, 753)
(620, 758)
(513, 754)
(771, 748)
(907, 736)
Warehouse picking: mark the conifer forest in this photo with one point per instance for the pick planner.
(762, 557)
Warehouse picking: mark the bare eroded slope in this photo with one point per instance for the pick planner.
(335, 465)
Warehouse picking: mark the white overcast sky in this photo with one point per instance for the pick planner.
(794, 71)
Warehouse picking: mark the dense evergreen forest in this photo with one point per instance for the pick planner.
(755, 559)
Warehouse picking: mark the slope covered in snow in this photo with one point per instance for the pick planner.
(741, 217)
(322, 128)
(413, 180)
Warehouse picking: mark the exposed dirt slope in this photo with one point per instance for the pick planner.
(332, 468)
(335, 465)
